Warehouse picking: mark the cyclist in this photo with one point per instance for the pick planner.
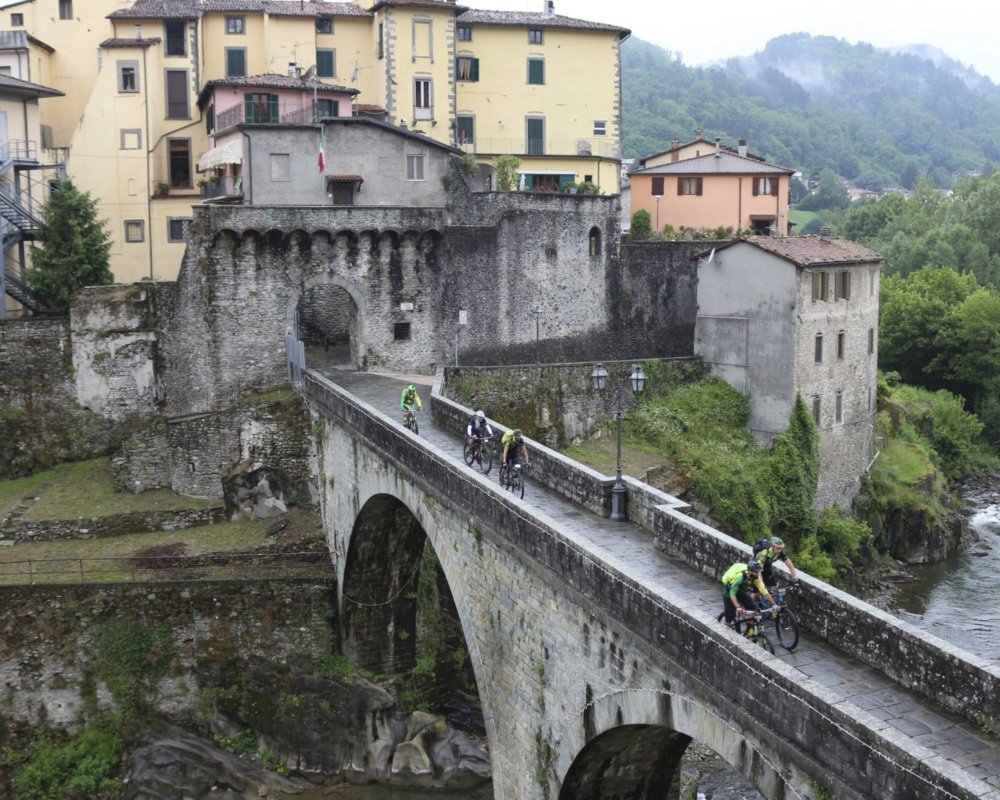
(478, 428)
(514, 449)
(408, 400)
(738, 584)
(773, 550)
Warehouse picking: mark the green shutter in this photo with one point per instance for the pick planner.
(272, 107)
(536, 70)
(236, 65)
(475, 69)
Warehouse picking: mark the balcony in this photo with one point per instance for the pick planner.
(273, 113)
(228, 188)
(549, 147)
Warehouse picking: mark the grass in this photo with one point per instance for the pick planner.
(85, 489)
(801, 218)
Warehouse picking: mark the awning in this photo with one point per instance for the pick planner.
(229, 153)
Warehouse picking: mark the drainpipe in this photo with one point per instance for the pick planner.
(149, 187)
(739, 204)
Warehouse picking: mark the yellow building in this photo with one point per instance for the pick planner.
(543, 87)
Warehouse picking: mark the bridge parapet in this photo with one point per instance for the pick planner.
(800, 728)
(951, 676)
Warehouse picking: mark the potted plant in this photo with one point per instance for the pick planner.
(162, 189)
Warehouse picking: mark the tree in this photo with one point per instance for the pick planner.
(72, 248)
(831, 193)
(506, 168)
(642, 225)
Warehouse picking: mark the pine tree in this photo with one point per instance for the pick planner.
(72, 248)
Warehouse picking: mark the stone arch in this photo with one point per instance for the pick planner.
(670, 719)
(355, 326)
(594, 241)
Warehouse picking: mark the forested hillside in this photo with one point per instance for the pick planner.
(817, 102)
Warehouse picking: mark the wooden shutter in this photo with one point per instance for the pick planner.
(774, 187)
(756, 186)
(698, 186)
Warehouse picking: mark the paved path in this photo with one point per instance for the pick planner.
(632, 550)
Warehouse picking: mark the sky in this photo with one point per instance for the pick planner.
(711, 31)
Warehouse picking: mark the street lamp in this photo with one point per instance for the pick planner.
(657, 213)
(637, 382)
(538, 315)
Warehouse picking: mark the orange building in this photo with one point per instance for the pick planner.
(702, 185)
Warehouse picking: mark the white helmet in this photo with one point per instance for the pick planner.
(480, 414)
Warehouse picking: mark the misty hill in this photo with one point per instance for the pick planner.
(810, 102)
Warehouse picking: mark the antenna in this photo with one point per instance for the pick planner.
(309, 74)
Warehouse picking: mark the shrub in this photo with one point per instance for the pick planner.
(642, 225)
(506, 170)
(84, 766)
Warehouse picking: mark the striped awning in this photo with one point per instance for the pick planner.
(229, 153)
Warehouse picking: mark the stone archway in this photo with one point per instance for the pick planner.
(329, 316)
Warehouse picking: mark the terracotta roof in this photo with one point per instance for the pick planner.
(810, 251)
(27, 88)
(726, 163)
(272, 81)
(446, 4)
(193, 9)
(344, 178)
(699, 140)
(112, 43)
(369, 108)
(533, 19)
(396, 129)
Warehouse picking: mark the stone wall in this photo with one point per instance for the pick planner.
(326, 311)
(110, 525)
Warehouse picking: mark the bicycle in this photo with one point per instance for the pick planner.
(410, 421)
(754, 630)
(479, 453)
(512, 480)
(786, 624)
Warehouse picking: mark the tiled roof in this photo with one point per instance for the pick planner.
(699, 140)
(726, 163)
(344, 178)
(112, 43)
(533, 19)
(274, 81)
(388, 126)
(446, 4)
(193, 9)
(369, 108)
(27, 87)
(810, 251)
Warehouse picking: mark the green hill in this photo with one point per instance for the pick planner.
(817, 102)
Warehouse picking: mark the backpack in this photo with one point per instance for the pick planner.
(762, 544)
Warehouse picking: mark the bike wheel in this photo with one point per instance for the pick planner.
(413, 425)
(469, 454)
(787, 626)
(762, 640)
(517, 485)
(485, 461)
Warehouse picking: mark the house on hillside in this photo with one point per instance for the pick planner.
(720, 188)
(798, 315)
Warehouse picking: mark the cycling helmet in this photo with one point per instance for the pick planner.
(777, 541)
(754, 567)
(411, 388)
(480, 414)
(517, 432)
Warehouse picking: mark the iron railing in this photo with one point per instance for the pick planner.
(227, 187)
(271, 113)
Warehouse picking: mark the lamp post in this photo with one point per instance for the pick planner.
(657, 213)
(538, 315)
(637, 381)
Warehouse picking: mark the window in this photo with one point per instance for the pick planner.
(260, 107)
(341, 193)
(415, 168)
(423, 99)
(765, 186)
(600, 127)
(657, 190)
(177, 228)
(819, 348)
(16, 20)
(841, 345)
(326, 63)
(588, 178)
(135, 231)
(464, 33)
(422, 39)
(65, 9)
(401, 331)
(871, 341)
(595, 241)
(691, 186)
(465, 130)
(327, 108)
(179, 162)
(816, 410)
(128, 76)
(281, 167)
(535, 136)
(130, 139)
(236, 62)
(466, 68)
(236, 25)
(821, 285)
(838, 408)
(536, 70)
(324, 25)
(175, 32)
(843, 285)
(535, 36)
(177, 94)
(381, 40)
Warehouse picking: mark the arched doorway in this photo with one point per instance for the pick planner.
(329, 318)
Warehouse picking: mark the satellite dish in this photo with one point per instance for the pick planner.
(309, 74)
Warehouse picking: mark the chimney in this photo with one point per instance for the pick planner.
(548, 9)
(674, 155)
(824, 233)
(293, 69)
(718, 146)
(743, 148)
(697, 133)
(138, 31)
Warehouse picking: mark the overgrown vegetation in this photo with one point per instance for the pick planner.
(131, 658)
(506, 167)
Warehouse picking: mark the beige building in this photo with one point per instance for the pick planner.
(540, 86)
(702, 185)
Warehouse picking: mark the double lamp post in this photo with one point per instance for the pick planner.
(637, 381)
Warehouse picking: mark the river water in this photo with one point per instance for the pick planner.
(954, 600)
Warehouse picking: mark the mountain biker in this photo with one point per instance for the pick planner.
(738, 585)
(408, 399)
(478, 428)
(773, 549)
(514, 449)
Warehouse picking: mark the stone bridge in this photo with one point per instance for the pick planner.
(594, 645)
